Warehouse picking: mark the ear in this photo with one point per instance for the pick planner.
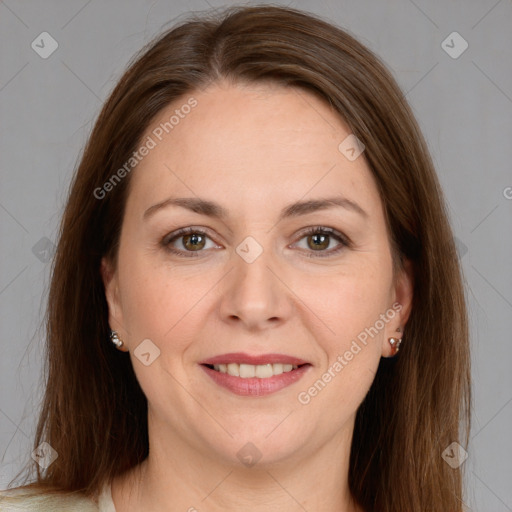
(115, 313)
(401, 304)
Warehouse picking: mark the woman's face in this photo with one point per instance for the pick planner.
(251, 285)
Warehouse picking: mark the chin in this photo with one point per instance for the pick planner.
(260, 447)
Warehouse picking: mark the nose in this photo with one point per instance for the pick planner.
(255, 294)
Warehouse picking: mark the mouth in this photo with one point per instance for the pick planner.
(247, 375)
(248, 371)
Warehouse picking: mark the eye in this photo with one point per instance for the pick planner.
(319, 238)
(194, 240)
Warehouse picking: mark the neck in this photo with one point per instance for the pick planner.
(177, 477)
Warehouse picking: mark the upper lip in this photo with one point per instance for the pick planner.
(241, 358)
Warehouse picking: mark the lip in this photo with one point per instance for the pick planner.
(242, 358)
(255, 386)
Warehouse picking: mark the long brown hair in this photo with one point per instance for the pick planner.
(94, 412)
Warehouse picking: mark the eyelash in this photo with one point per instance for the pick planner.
(316, 230)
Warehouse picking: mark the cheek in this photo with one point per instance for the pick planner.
(352, 349)
(350, 308)
(349, 303)
(160, 303)
(150, 305)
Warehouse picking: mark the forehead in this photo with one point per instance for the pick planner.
(259, 143)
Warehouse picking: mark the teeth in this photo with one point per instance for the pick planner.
(247, 371)
(233, 369)
(261, 371)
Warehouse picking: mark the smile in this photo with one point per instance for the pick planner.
(260, 371)
(250, 375)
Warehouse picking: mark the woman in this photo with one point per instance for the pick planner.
(254, 231)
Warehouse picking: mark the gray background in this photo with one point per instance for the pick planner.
(463, 105)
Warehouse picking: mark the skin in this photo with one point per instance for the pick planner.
(254, 149)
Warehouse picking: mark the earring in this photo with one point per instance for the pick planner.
(395, 343)
(114, 338)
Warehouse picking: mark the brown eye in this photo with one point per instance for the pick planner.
(319, 238)
(318, 241)
(193, 242)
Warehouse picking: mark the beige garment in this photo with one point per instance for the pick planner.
(24, 500)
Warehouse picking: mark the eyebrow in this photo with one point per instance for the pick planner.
(215, 210)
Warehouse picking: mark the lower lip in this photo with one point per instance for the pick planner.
(255, 386)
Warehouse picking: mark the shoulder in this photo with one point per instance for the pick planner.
(30, 500)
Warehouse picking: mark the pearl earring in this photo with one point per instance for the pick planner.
(395, 343)
(114, 338)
